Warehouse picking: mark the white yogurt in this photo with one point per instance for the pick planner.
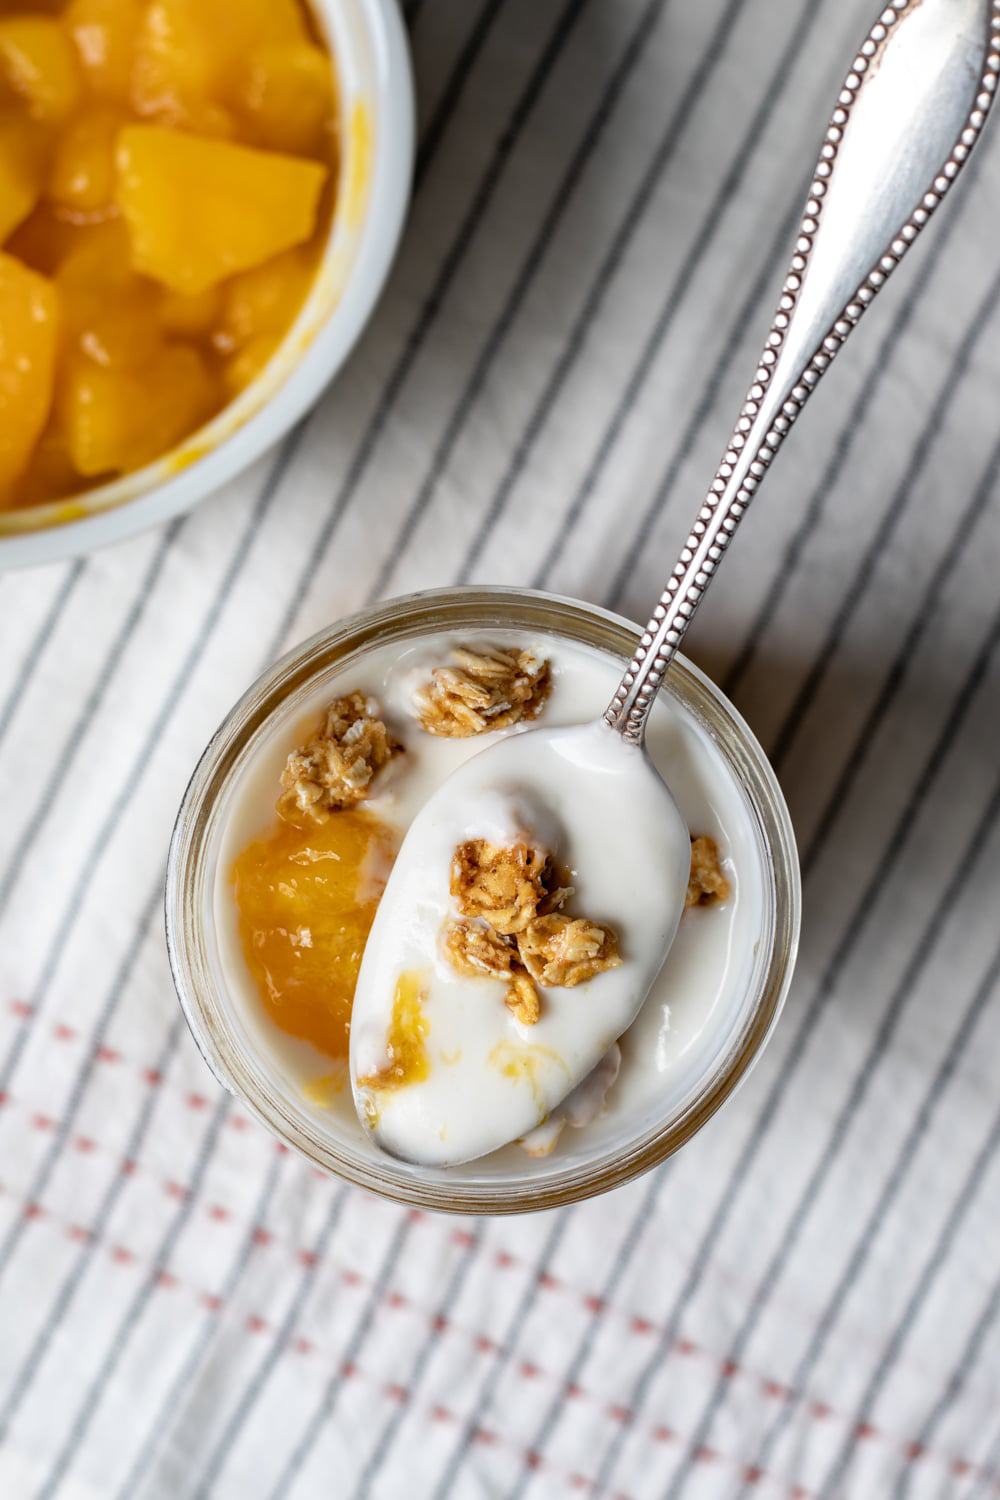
(696, 1005)
(600, 809)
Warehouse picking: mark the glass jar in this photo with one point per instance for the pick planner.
(509, 1182)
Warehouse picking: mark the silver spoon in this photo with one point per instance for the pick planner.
(911, 109)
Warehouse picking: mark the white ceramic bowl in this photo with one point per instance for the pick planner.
(376, 134)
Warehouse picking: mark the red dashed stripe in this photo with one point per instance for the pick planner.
(503, 1259)
(255, 1324)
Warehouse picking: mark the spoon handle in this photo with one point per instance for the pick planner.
(908, 115)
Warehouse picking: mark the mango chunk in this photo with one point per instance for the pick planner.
(192, 315)
(38, 61)
(22, 171)
(104, 33)
(108, 312)
(45, 238)
(288, 97)
(242, 370)
(118, 420)
(267, 299)
(199, 210)
(50, 473)
(189, 50)
(82, 176)
(27, 362)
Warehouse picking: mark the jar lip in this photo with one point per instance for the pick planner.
(296, 672)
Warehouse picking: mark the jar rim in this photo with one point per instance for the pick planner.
(295, 674)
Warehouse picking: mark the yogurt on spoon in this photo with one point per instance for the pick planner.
(442, 1069)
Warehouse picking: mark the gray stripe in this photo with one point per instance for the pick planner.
(453, 89)
(389, 1433)
(788, 1237)
(983, 1327)
(67, 752)
(893, 1186)
(854, 930)
(416, 338)
(842, 448)
(166, 1412)
(502, 325)
(918, 1296)
(133, 1316)
(582, 1352)
(664, 320)
(24, 1377)
(947, 393)
(980, 504)
(850, 432)
(258, 1380)
(703, 410)
(37, 648)
(602, 281)
(300, 1453)
(502, 1356)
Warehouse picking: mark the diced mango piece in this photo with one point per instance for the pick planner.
(193, 315)
(107, 312)
(266, 299)
(82, 175)
(118, 420)
(242, 370)
(190, 50)
(27, 363)
(104, 32)
(287, 97)
(199, 210)
(45, 238)
(50, 473)
(38, 61)
(22, 171)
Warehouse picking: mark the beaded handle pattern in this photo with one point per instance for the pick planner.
(910, 111)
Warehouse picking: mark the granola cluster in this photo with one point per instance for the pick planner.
(706, 883)
(512, 927)
(475, 950)
(566, 951)
(335, 768)
(505, 885)
(482, 689)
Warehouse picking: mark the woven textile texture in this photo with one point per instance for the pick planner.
(805, 1302)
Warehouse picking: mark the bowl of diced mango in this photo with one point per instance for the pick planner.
(199, 203)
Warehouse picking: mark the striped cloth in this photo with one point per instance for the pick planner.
(805, 1301)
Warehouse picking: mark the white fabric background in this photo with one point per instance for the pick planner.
(805, 1301)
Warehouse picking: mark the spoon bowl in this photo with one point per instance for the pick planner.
(600, 806)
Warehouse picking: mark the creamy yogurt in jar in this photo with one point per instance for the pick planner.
(696, 997)
(712, 1006)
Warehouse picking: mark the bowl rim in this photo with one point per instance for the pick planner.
(392, 106)
(192, 835)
